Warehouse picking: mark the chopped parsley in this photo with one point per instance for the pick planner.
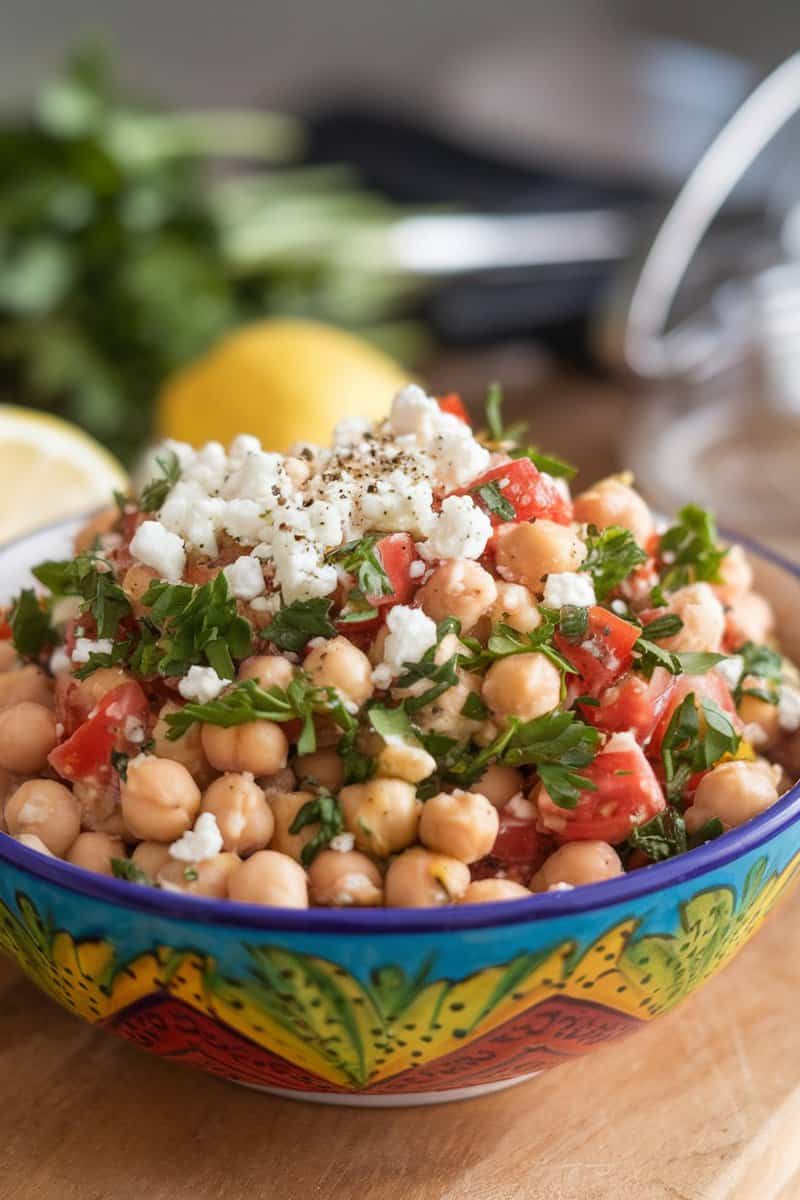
(198, 625)
(292, 627)
(361, 560)
(494, 419)
(546, 462)
(494, 501)
(325, 812)
(90, 577)
(556, 744)
(505, 641)
(573, 622)
(126, 868)
(156, 492)
(689, 549)
(246, 702)
(119, 762)
(696, 739)
(390, 722)
(612, 554)
(764, 664)
(31, 630)
(474, 708)
(663, 836)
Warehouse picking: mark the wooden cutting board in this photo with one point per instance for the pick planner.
(704, 1105)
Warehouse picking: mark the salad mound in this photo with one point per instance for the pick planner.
(409, 669)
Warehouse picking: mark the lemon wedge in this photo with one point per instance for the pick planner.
(283, 380)
(50, 469)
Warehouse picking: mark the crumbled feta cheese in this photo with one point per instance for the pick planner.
(260, 477)
(243, 520)
(382, 676)
(789, 708)
(413, 413)
(396, 503)
(60, 661)
(417, 569)
(351, 431)
(299, 569)
(201, 684)
(343, 842)
(157, 547)
(134, 730)
(198, 844)
(458, 458)
(411, 633)
(245, 577)
(209, 468)
(561, 887)
(731, 669)
(621, 742)
(461, 531)
(568, 587)
(266, 604)
(619, 607)
(241, 446)
(85, 646)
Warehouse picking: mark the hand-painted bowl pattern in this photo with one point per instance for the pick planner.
(391, 1006)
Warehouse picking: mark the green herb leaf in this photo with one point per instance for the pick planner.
(197, 625)
(763, 663)
(474, 708)
(697, 662)
(547, 463)
(31, 630)
(494, 419)
(573, 622)
(689, 549)
(360, 559)
(557, 744)
(91, 578)
(612, 554)
(126, 868)
(494, 500)
(293, 627)
(390, 722)
(119, 762)
(707, 833)
(690, 746)
(190, 874)
(155, 493)
(662, 837)
(505, 641)
(664, 626)
(325, 812)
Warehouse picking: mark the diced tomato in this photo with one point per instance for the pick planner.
(454, 405)
(529, 493)
(87, 754)
(396, 552)
(633, 703)
(360, 633)
(518, 839)
(710, 686)
(628, 794)
(5, 631)
(603, 653)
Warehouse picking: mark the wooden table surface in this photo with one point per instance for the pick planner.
(704, 1105)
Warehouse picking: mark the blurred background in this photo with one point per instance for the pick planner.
(468, 189)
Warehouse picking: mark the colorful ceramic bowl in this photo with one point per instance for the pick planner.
(379, 1007)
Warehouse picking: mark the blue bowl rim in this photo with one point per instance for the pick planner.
(541, 907)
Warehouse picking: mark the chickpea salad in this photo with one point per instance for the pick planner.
(410, 669)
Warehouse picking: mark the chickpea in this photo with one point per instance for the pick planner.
(487, 891)
(383, 814)
(34, 843)
(160, 800)
(733, 792)
(749, 619)
(27, 683)
(498, 784)
(341, 665)
(258, 746)
(703, 620)
(445, 714)
(614, 502)
(271, 670)
(99, 805)
(530, 551)
(285, 807)
(90, 691)
(27, 735)
(269, 878)
(102, 522)
(9, 659)
(401, 761)
(135, 582)
(376, 650)
(761, 719)
(515, 606)
(186, 750)
(279, 781)
(458, 588)
(324, 766)
(576, 863)
(94, 852)
(150, 857)
(208, 878)
(243, 816)
(345, 879)
(461, 824)
(46, 809)
(736, 576)
(421, 879)
(522, 685)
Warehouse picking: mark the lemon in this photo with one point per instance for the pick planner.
(50, 469)
(283, 381)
